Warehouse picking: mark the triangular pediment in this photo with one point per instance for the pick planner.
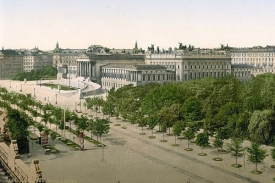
(131, 67)
(83, 56)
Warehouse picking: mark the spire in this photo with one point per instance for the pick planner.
(136, 45)
(2, 47)
(57, 45)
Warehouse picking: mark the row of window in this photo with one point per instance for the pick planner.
(207, 67)
(242, 74)
(113, 85)
(252, 54)
(252, 59)
(197, 75)
(158, 77)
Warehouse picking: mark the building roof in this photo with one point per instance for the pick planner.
(135, 66)
(150, 67)
(253, 49)
(118, 65)
(9, 52)
(72, 52)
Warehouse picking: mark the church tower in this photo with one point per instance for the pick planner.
(56, 55)
(136, 50)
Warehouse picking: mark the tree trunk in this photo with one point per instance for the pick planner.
(175, 139)
(188, 143)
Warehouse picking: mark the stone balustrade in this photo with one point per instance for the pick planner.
(18, 170)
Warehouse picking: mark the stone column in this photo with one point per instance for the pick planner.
(94, 70)
(77, 68)
(90, 73)
(80, 69)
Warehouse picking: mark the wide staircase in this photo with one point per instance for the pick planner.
(4, 175)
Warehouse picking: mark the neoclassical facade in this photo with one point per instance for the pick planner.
(192, 64)
(90, 65)
(118, 75)
(261, 58)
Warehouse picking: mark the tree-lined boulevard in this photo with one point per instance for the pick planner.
(131, 156)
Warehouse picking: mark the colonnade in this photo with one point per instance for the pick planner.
(85, 69)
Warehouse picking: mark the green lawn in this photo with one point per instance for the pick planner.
(62, 87)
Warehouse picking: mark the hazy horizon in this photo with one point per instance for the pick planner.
(119, 24)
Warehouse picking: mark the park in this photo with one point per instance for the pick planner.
(126, 151)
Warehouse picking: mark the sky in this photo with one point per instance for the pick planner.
(120, 23)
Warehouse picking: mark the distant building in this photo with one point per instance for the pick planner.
(193, 64)
(261, 58)
(66, 58)
(242, 72)
(135, 50)
(11, 62)
(118, 75)
(35, 59)
(90, 65)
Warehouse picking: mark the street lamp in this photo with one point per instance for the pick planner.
(56, 98)
(33, 92)
(21, 87)
(10, 83)
(69, 74)
(188, 180)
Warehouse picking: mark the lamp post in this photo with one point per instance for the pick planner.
(10, 83)
(56, 98)
(21, 87)
(69, 74)
(33, 92)
(80, 105)
(188, 180)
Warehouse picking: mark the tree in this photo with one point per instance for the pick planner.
(192, 109)
(262, 126)
(90, 127)
(166, 117)
(53, 136)
(18, 127)
(235, 147)
(272, 152)
(152, 122)
(108, 109)
(82, 123)
(217, 143)
(202, 140)
(142, 121)
(177, 129)
(189, 134)
(256, 155)
(101, 126)
(40, 127)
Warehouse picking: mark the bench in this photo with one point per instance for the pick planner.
(47, 151)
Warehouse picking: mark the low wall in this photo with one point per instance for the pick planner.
(17, 169)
